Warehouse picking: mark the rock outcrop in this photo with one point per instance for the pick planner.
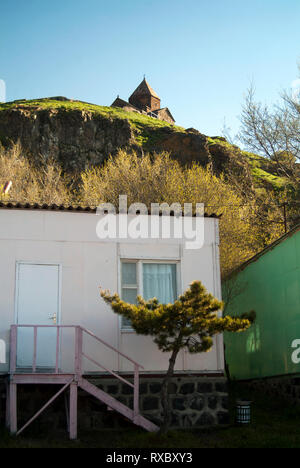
(76, 139)
(78, 135)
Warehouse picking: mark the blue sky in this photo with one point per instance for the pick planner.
(200, 56)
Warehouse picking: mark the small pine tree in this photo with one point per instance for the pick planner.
(190, 322)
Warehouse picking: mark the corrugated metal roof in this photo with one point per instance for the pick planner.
(71, 208)
(37, 206)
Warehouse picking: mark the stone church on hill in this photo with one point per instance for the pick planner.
(145, 101)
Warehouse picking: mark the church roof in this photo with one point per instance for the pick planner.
(118, 102)
(144, 88)
(166, 109)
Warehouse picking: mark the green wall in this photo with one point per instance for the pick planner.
(270, 285)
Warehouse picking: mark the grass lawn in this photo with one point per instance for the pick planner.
(275, 423)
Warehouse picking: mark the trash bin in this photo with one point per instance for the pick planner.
(243, 412)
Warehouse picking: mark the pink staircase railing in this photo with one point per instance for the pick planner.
(79, 354)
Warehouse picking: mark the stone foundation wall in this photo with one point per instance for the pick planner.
(287, 387)
(196, 402)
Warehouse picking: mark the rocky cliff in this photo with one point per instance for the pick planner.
(79, 135)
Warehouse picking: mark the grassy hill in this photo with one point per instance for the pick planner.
(78, 134)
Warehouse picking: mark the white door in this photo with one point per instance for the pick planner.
(37, 303)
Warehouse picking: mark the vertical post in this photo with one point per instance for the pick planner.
(34, 348)
(13, 348)
(78, 351)
(136, 410)
(11, 417)
(73, 411)
(57, 349)
(7, 408)
(13, 407)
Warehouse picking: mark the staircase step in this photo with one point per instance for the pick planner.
(117, 405)
(147, 424)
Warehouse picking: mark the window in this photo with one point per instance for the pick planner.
(147, 279)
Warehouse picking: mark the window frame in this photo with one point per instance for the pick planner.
(139, 276)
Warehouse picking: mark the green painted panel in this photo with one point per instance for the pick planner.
(270, 286)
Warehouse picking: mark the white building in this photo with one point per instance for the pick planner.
(52, 265)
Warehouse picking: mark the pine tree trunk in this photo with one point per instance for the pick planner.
(165, 393)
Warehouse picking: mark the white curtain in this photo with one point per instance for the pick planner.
(159, 280)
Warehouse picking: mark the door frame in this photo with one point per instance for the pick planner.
(17, 283)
